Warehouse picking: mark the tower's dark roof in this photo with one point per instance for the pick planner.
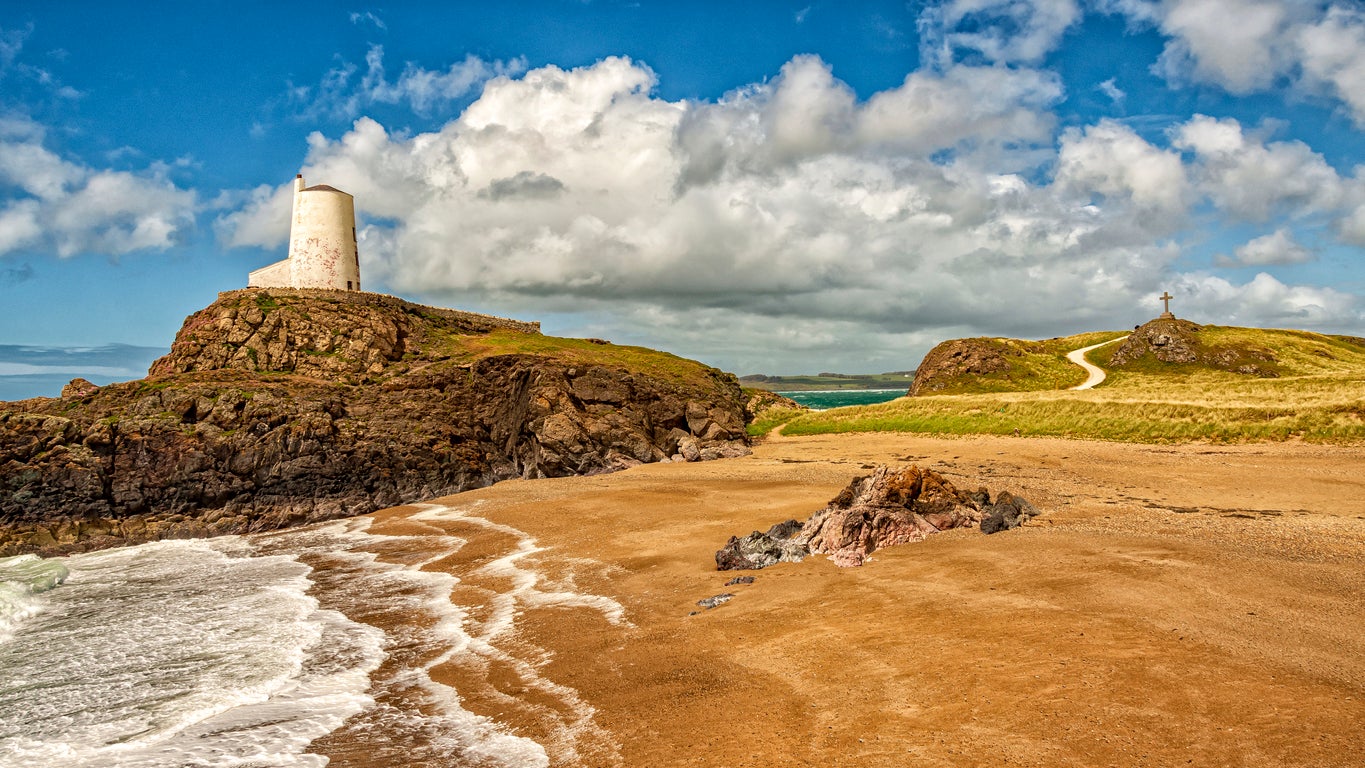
(323, 188)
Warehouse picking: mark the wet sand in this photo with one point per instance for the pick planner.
(1174, 605)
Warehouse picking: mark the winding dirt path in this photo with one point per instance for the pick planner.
(1097, 374)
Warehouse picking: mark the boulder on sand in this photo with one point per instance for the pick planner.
(1008, 511)
(880, 510)
(760, 550)
(887, 508)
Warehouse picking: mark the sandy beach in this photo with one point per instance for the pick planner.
(1174, 605)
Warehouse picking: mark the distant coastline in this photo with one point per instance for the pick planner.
(829, 382)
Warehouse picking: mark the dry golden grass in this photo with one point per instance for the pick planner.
(1032, 365)
(464, 349)
(1319, 397)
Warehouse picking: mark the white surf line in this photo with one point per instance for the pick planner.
(1096, 373)
(507, 608)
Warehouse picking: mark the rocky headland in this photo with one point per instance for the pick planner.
(279, 407)
(1172, 340)
(1165, 345)
(951, 361)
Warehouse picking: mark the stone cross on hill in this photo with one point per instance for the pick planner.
(1166, 300)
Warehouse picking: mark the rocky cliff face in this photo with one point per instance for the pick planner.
(279, 407)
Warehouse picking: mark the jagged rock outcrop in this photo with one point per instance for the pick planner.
(950, 361)
(1172, 340)
(340, 335)
(761, 401)
(280, 407)
(780, 544)
(886, 508)
(78, 388)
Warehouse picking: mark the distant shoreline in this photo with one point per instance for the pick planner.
(814, 389)
(853, 386)
(830, 382)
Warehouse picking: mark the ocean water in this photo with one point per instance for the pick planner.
(821, 400)
(309, 647)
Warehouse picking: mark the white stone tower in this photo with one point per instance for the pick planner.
(323, 252)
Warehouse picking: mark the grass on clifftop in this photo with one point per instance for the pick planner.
(1319, 396)
(464, 349)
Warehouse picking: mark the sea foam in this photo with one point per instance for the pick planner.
(287, 649)
(23, 580)
(404, 582)
(180, 653)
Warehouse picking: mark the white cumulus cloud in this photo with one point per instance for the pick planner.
(1242, 45)
(346, 90)
(1352, 227)
(1264, 301)
(999, 31)
(1247, 46)
(1332, 54)
(73, 208)
(788, 220)
(1255, 180)
(1278, 247)
(1110, 159)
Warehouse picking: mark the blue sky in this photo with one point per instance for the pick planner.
(767, 187)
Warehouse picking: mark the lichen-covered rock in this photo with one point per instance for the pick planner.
(950, 361)
(1176, 341)
(415, 402)
(339, 335)
(887, 508)
(1170, 340)
(711, 602)
(780, 544)
(78, 388)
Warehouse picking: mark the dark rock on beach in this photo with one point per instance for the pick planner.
(760, 550)
(1008, 511)
(279, 407)
(886, 508)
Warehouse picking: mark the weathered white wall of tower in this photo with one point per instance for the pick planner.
(274, 276)
(323, 251)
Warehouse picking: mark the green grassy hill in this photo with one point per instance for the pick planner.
(967, 366)
(1302, 386)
